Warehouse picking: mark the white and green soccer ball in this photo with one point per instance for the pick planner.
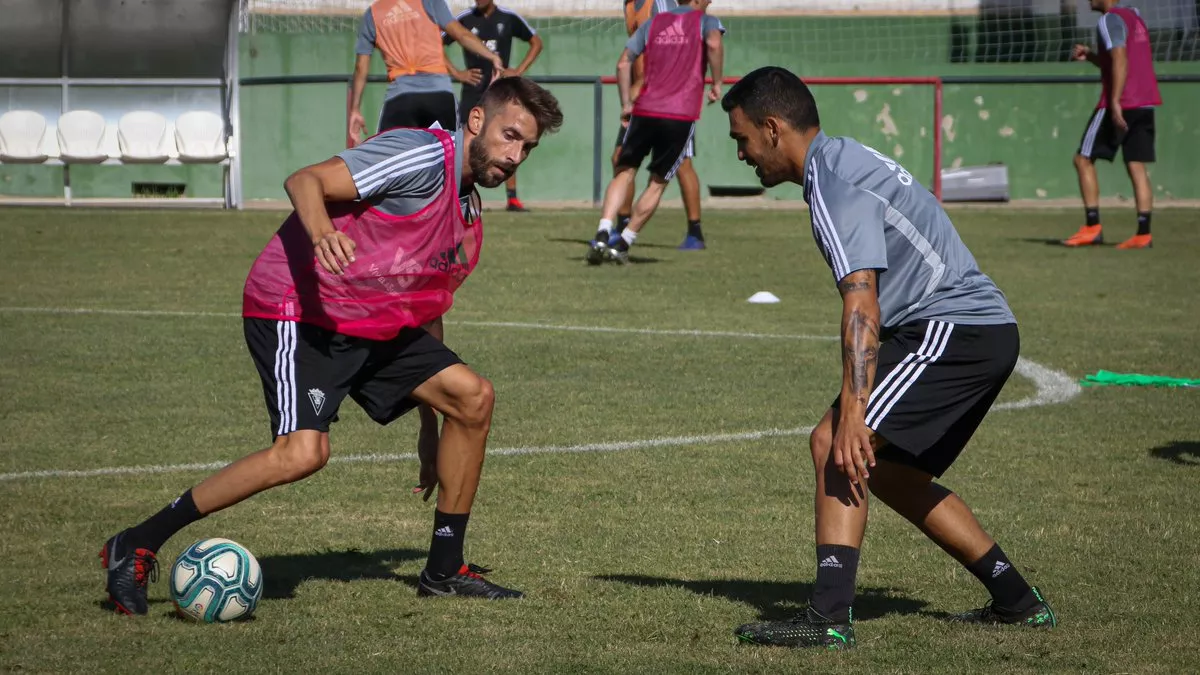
(216, 580)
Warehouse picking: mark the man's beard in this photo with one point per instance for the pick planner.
(481, 166)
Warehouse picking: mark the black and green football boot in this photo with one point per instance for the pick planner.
(810, 629)
(1037, 616)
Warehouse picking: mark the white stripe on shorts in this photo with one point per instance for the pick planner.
(1089, 137)
(902, 377)
(285, 376)
(683, 155)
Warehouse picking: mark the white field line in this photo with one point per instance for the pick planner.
(617, 446)
(1052, 387)
(481, 324)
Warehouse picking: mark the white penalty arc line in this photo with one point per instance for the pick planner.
(480, 324)
(1052, 387)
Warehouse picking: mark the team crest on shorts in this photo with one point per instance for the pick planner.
(318, 399)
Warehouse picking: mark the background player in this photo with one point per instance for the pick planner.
(496, 27)
(408, 196)
(662, 121)
(407, 33)
(907, 406)
(1124, 118)
(637, 14)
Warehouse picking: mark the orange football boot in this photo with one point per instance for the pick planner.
(1137, 241)
(1088, 235)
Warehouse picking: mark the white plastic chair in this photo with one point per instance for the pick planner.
(81, 137)
(200, 137)
(22, 133)
(142, 135)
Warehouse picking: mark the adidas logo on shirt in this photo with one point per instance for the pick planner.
(831, 561)
(400, 12)
(673, 35)
(1000, 568)
(443, 531)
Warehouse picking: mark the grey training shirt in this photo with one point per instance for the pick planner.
(417, 83)
(868, 212)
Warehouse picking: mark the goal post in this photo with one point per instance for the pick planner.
(883, 123)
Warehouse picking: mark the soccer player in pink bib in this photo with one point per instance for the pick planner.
(346, 300)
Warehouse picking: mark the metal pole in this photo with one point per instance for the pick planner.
(937, 140)
(597, 140)
(65, 99)
(233, 174)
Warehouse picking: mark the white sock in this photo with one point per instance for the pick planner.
(605, 225)
(629, 236)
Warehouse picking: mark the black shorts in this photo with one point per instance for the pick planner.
(691, 146)
(420, 110)
(307, 371)
(469, 99)
(1101, 138)
(667, 141)
(934, 384)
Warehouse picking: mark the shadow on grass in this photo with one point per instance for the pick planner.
(778, 600)
(283, 573)
(1059, 242)
(1179, 452)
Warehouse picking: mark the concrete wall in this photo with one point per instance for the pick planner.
(1034, 129)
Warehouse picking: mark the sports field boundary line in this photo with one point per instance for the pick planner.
(1052, 387)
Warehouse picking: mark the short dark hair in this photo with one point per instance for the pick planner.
(530, 96)
(774, 92)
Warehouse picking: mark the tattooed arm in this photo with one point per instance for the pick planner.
(852, 445)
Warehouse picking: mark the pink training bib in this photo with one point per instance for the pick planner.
(405, 272)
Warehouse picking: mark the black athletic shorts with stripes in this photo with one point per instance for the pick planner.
(420, 110)
(691, 147)
(934, 383)
(1102, 139)
(307, 371)
(668, 142)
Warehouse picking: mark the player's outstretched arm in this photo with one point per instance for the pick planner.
(309, 189)
(714, 45)
(625, 79)
(852, 448)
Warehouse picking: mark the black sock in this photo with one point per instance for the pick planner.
(623, 222)
(694, 230)
(1143, 222)
(446, 548)
(157, 529)
(1092, 215)
(512, 193)
(833, 594)
(1008, 588)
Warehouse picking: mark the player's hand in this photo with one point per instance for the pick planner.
(335, 251)
(1081, 52)
(472, 76)
(626, 113)
(355, 128)
(497, 67)
(852, 451)
(510, 72)
(427, 451)
(714, 93)
(1117, 115)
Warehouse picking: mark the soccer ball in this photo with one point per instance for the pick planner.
(216, 580)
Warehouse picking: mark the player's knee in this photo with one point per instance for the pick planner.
(1082, 162)
(475, 400)
(300, 454)
(820, 442)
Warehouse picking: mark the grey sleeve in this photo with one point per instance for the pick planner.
(365, 45)
(1112, 31)
(397, 163)
(710, 24)
(847, 223)
(662, 6)
(637, 43)
(439, 11)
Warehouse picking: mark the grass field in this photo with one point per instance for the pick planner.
(636, 556)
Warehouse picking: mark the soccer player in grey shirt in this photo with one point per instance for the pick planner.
(928, 341)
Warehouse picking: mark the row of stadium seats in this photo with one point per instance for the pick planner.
(143, 137)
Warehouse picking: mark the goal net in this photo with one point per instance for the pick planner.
(830, 36)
